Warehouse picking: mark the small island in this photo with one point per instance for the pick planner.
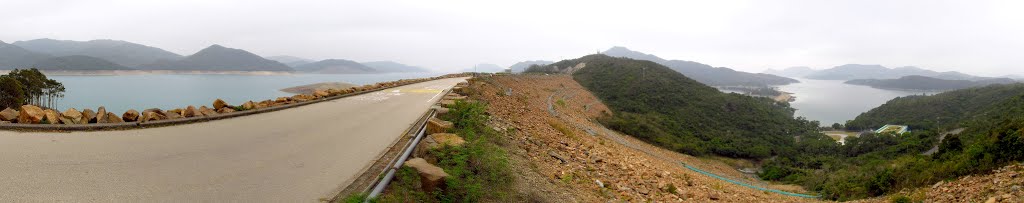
(917, 82)
(309, 89)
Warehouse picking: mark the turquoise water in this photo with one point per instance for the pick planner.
(832, 101)
(122, 92)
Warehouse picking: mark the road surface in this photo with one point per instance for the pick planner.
(294, 155)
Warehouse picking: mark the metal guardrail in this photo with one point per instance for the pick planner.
(399, 161)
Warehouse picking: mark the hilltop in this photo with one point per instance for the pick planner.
(917, 82)
(522, 65)
(121, 52)
(559, 154)
(669, 109)
(220, 58)
(12, 56)
(705, 73)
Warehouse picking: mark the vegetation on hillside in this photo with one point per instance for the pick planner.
(668, 109)
(477, 171)
(664, 107)
(880, 164)
(29, 86)
(917, 82)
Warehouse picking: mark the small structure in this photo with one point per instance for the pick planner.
(897, 129)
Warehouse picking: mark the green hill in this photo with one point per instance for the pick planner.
(917, 82)
(666, 108)
(77, 63)
(948, 109)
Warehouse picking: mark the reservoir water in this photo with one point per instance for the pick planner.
(832, 101)
(118, 93)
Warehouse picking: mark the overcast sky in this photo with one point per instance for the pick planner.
(977, 37)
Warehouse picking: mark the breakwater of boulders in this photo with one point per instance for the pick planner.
(34, 117)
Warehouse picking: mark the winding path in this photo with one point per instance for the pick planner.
(304, 154)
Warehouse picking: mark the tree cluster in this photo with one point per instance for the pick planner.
(29, 86)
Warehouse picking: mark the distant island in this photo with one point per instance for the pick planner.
(114, 57)
(309, 89)
(704, 73)
(860, 71)
(917, 82)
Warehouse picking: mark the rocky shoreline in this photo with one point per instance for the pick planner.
(34, 117)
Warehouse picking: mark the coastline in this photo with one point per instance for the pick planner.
(784, 97)
(156, 72)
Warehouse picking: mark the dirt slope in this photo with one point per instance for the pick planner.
(563, 155)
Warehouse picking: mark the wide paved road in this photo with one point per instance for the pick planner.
(294, 155)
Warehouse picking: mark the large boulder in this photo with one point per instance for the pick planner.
(447, 103)
(435, 125)
(218, 104)
(113, 118)
(52, 117)
(101, 115)
(150, 116)
(180, 112)
(207, 111)
(282, 100)
(72, 116)
(225, 110)
(191, 111)
(9, 114)
(441, 111)
(30, 114)
(170, 115)
(154, 114)
(320, 94)
(130, 116)
(248, 105)
(449, 139)
(88, 116)
(431, 177)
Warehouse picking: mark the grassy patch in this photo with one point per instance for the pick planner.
(560, 127)
(477, 171)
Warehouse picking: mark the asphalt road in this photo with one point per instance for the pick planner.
(295, 155)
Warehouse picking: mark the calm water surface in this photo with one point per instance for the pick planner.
(122, 92)
(832, 101)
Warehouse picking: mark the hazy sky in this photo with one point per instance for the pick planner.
(977, 37)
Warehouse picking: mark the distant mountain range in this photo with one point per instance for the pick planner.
(394, 67)
(796, 72)
(704, 73)
(917, 82)
(291, 61)
(335, 66)
(12, 56)
(521, 66)
(219, 58)
(51, 54)
(116, 51)
(859, 71)
(77, 62)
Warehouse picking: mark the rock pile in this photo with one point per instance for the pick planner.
(431, 176)
(30, 114)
